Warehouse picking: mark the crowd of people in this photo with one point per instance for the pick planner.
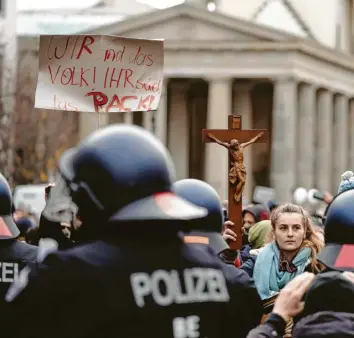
(124, 250)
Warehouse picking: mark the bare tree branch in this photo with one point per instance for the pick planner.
(40, 135)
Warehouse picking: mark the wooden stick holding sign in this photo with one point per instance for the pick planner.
(235, 140)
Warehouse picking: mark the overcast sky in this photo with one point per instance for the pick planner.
(48, 4)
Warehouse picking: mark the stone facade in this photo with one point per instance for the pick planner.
(215, 64)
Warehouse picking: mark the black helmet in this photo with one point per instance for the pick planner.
(8, 228)
(123, 173)
(338, 252)
(205, 196)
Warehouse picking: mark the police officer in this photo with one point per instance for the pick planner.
(58, 217)
(208, 230)
(134, 277)
(338, 253)
(14, 254)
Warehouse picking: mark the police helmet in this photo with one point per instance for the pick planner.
(338, 253)
(8, 228)
(123, 173)
(208, 230)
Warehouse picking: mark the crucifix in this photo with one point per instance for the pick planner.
(235, 140)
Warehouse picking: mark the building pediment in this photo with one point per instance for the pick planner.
(185, 22)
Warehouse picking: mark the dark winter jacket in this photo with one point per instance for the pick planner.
(325, 324)
(321, 324)
(273, 327)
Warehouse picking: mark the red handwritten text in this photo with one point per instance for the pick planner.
(141, 59)
(102, 103)
(76, 50)
(111, 54)
(115, 78)
(63, 105)
(74, 76)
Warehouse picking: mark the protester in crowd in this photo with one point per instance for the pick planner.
(32, 236)
(24, 225)
(272, 205)
(329, 314)
(259, 235)
(47, 190)
(19, 212)
(58, 217)
(328, 308)
(250, 216)
(292, 251)
(347, 182)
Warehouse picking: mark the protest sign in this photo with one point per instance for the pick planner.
(97, 73)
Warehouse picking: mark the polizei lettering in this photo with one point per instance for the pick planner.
(168, 287)
(8, 272)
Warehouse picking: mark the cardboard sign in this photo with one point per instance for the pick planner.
(95, 73)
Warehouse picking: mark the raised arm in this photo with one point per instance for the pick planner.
(246, 144)
(224, 144)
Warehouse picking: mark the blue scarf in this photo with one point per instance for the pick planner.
(267, 277)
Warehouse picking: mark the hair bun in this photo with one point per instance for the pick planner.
(347, 175)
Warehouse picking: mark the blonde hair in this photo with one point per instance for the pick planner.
(312, 239)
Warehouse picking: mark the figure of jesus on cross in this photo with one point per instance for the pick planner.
(235, 140)
(237, 173)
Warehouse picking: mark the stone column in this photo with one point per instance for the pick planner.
(115, 118)
(147, 120)
(161, 114)
(178, 136)
(305, 139)
(340, 139)
(88, 122)
(128, 117)
(243, 106)
(324, 141)
(216, 157)
(283, 155)
(351, 136)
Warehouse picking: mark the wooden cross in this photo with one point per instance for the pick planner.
(235, 132)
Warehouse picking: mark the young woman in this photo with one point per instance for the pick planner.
(292, 251)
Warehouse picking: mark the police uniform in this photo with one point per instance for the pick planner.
(206, 232)
(14, 254)
(136, 277)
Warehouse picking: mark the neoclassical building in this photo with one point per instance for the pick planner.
(298, 89)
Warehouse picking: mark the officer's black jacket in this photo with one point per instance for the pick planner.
(14, 256)
(87, 291)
